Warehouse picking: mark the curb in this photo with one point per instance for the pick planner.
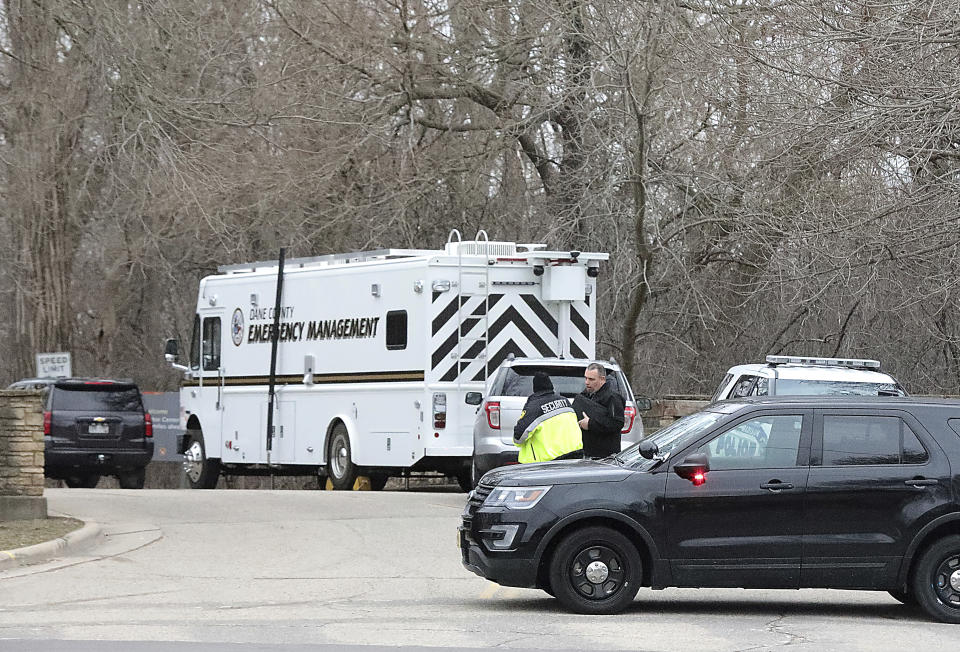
(48, 549)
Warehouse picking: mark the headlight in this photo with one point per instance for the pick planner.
(515, 497)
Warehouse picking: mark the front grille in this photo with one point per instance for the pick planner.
(477, 496)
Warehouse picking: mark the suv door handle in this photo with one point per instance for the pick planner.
(776, 485)
(921, 482)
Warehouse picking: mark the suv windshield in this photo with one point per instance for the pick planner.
(121, 399)
(568, 381)
(799, 387)
(673, 436)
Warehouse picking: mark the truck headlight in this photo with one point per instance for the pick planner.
(515, 497)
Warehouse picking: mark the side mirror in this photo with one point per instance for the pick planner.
(473, 398)
(648, 449)
(171, 350)
(644, 404)
(694, 468)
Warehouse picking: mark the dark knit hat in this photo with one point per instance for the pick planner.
(541, 382)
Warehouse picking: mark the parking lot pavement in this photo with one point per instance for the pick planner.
(276, 568)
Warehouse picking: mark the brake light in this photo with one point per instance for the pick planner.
(493, 414)
(46, 423)
(439, 410)
(148, 423)
(629, 414)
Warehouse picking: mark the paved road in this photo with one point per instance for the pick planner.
(273, 568)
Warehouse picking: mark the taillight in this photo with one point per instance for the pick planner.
(148, 423)
(46, 423)
(629, 414)
(493, 414)
(439, 410)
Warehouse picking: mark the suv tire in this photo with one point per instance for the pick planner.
(201, 471)
(132, 478)
(82, 480)
(595, 570)
(936, 580)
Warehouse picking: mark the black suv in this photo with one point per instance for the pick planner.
(94, 427)
(790, 492)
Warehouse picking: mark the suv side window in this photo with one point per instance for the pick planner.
(863, 440)
(211, 344)
(761, 443)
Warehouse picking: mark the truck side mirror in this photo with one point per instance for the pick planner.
(171, 350)
(473, 398)
(644, 404)
(694, 468)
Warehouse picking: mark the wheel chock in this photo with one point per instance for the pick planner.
(362, 483)
(329, 485)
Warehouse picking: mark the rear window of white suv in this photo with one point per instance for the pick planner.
(568, 381)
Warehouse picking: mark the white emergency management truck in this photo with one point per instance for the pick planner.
(381, 356)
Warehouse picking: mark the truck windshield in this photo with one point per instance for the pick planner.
(676, 435)
(798, 387)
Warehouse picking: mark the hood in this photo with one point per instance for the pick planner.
(552, 473)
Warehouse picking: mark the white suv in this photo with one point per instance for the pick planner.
(784, 375)
(511, 385)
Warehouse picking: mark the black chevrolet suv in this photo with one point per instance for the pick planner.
(94, 427)
(790, 492)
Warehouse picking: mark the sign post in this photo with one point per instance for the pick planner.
(53, 365)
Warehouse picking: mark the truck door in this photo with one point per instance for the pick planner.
(206, 355)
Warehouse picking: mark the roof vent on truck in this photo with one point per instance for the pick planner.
(850, 363)
(480, 248)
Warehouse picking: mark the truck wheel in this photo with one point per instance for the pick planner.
(202, 473)
(595, 570)
(340, 468)
(82, 480)
(465, 480)
(132, 478)
(936, 580)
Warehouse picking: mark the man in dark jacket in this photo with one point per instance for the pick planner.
(547, 429)
(600, 411)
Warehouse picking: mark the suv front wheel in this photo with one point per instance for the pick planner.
(936, 581)
(595, 570)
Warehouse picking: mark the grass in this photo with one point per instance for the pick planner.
(19, 534)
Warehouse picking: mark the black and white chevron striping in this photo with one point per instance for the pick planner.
(519, 323)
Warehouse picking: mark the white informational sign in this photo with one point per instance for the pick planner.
(53, 365)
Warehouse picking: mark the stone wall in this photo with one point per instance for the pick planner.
(21, 455)
(668, 409)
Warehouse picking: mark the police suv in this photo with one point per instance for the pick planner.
(838, 492)
(784, 375)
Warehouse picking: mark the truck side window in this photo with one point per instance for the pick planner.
(211, 344)
(195, 344)
(397, 329)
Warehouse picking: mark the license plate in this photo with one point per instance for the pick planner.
(98, 429)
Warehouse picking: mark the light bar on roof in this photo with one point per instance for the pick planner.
(852, 363)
